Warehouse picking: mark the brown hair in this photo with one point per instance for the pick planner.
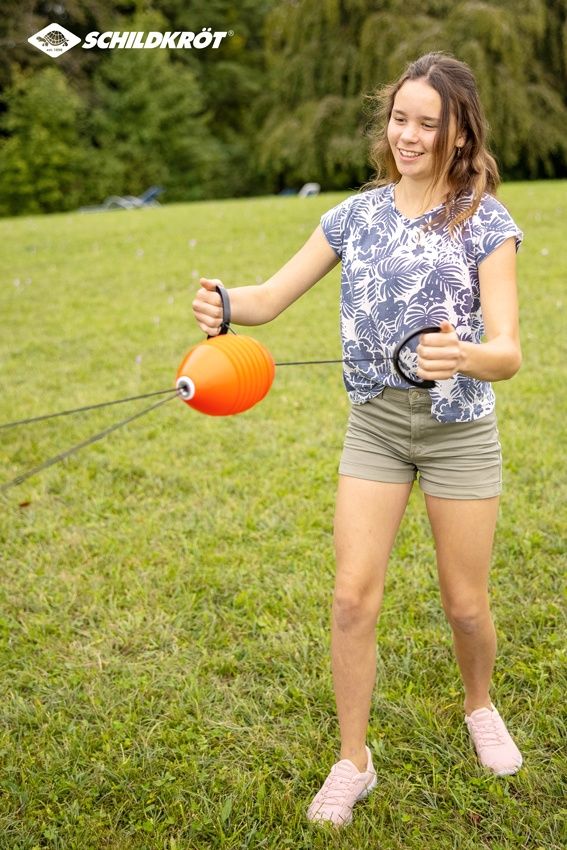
(472, 170)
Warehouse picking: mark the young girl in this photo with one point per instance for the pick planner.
(427, 243)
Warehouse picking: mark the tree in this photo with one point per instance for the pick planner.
(282, 102)
(179, 117)
(344, 49)
(42, 158)
(148, 124)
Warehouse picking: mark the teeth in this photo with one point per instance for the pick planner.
(412, 154)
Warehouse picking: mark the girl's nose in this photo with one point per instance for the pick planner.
(409, 133)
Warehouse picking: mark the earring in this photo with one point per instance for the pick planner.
(459, 150)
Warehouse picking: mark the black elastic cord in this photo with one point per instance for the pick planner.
(59, 457)
(83, 409)
(30, 420)
(340, 360)
(173, 393)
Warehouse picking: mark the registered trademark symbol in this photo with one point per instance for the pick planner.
(231, 33)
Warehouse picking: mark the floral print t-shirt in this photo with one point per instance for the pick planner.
(401, 274)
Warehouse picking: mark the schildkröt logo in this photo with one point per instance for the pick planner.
(56, 40)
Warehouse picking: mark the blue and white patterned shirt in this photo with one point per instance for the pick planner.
(401, 274)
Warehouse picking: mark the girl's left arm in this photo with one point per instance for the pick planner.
(499, 357)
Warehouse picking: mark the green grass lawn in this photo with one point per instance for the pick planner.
(165, 677)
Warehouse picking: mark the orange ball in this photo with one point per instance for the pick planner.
(225, 374)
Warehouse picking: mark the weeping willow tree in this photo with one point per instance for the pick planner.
(324, 56)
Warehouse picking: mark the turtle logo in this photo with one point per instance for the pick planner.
(54, 40)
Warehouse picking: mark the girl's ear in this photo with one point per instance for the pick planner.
(460, 140)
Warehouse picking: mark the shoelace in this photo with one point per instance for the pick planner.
(488, 732)
(336, 784)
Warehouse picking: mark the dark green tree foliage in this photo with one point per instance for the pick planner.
(282, 102)
(181, 118)
(148, 126)
(21, 18)
(346, 48)
(231, 79)
(42, 158)
(314, 125)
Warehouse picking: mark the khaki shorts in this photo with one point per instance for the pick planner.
(394, 438)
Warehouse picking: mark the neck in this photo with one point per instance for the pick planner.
(414, 198)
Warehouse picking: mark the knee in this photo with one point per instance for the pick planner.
(468, 618)
(355, 608)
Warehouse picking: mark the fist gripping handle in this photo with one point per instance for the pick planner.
(427, 385)
(225, 311)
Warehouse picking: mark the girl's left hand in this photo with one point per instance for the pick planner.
(439, 355)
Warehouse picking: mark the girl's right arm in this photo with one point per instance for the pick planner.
(255, 305)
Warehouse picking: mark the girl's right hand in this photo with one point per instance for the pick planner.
(207, 306)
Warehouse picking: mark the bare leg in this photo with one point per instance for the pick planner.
(368, 515)
(464, 533)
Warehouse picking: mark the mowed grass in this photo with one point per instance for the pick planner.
(165, 593)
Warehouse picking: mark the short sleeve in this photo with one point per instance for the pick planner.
(492, 225)
(333, 223)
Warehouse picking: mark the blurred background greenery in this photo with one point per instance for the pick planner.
(281, 102)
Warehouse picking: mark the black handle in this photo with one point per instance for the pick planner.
(426, 385)
(224, 328)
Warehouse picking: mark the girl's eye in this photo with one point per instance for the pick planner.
(430, 126)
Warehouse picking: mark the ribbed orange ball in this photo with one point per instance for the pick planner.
(225, 374)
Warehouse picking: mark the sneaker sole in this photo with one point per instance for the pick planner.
(507, 772)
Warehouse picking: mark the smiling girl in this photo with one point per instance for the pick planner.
(426, 243)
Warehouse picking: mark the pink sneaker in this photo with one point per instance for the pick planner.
(493, 743)
(343, 787)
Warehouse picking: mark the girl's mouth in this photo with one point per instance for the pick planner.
(409, 154)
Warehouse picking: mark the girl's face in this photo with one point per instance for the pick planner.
(413, 127)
